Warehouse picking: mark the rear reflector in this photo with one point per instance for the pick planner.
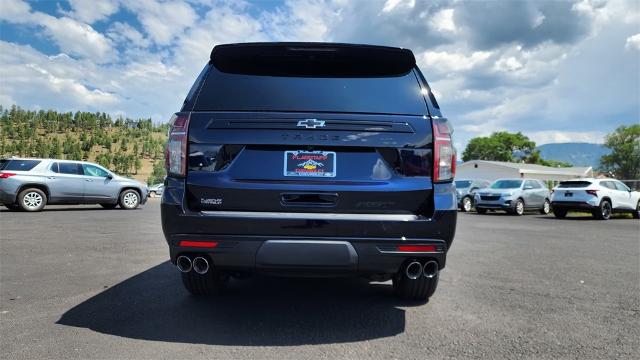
(203, 244)
(5, 175)
(416, 248)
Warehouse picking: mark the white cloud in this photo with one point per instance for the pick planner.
(125, 33)
(443, 20)
(89, 11)
(445, 62)
(76, 38)
(633, 42)
(163, 21)
(14, 10)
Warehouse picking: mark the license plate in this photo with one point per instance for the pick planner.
(310, 163)
(568, 194)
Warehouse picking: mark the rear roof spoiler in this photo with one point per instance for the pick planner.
(312, 59)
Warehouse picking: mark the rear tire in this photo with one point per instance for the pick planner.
(209, 283)
(32, 199)
(109, 206)
(419, 289)
(560, 213)
(481, 211)
(129, 199)
(467, 204)
(636, 214)
(603, 212)
(546, 207)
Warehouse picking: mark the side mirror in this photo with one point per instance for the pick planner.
(473, 189)
(109, 176)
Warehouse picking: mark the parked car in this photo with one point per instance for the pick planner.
(156, 189)
(600, 197)
(30, 184)
(466, 190)
(310, 159)
(514, 196)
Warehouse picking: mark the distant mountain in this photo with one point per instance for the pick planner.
(577, 154)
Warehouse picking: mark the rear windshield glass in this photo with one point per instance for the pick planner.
(239, 92)
(573, 184)
(463, 184)
(18, 165)
(506, 184)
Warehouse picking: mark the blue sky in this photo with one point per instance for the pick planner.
(558, 71)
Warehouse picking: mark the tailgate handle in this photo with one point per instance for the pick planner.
(309, 199)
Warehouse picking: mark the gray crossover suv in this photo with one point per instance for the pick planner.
(514, 196)
(466, 189)
(30, 184)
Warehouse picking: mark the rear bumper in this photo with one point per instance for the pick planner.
(308, 243)
(573, 205)
(7, 197)
(306, 256)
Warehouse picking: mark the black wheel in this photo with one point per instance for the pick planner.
(209, 283)
(419, 289)
(109, 206)
(560, 213)
(129, 199)
(32, 199)
(13, 207)
(518, 209)
(636, 214)
(546, 207)
(603, 212)
(481, 211)
(467, 204)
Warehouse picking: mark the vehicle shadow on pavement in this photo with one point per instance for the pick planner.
(259, 311)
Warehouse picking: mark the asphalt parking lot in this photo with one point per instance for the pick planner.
(83, 282)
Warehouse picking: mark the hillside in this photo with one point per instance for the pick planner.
(128, 147)
(576, 154)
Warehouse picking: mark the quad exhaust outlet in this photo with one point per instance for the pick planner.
(200, 265)
(184, 264)
(430, 269)
(413, 270)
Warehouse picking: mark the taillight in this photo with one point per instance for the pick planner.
(444, 154)
(176, 151)
(592, 192)
(5, 175)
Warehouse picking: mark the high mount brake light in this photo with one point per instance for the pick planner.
(6, 175)
(444, 154)
(176, 151)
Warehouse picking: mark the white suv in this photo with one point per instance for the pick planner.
(601, 197)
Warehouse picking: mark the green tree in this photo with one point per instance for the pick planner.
(624, 160)
(500, 146)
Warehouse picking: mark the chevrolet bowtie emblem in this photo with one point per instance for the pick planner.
(311, 123)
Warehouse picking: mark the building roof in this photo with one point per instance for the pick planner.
(534, 168)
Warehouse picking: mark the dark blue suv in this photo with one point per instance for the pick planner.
(310, 159)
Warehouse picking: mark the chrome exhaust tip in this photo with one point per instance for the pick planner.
(200, 265)
(413, 270)
(430, 269)
(184, 264)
